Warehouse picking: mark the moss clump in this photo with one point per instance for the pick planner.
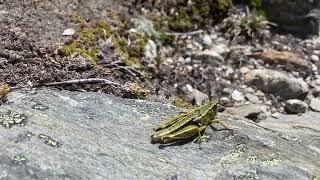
(316, 178)
(255, 4)
(252, 24)
(199, 12)
(85, 43)
(4, 90)
(135, 90)
(130, 53)
(76, 47)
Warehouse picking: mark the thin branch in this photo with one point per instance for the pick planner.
(69, 82)
(83, 81)
(182, 34)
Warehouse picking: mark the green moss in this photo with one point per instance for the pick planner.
(182, 21)
(79, 20)
(252, 24)
(103, 29)
(316, 178)
(255, 4)
(201, 12)
(85, 44)
(77, 47)
(129, 54)
(87, 35)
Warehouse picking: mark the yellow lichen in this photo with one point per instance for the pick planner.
(179, 102)
(4, 90)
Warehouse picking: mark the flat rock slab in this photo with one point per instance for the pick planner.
(50, 134)
(304, 127)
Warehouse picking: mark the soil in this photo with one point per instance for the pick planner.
(31, 35)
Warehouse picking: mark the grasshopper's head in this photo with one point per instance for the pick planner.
(210, 110)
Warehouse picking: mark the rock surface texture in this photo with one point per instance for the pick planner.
(296, 16)
(49, 134)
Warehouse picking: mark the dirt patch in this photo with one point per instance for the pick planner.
(31, 31)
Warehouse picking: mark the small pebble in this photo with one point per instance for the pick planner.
(68, 32)
(244, 70)
(206, 40)
(189, 88)
(188, 60)
(316, 52)
(296, 106)
(252, 98)
(314, 58)
(224, 100)
(181, 59)
(169, 60)
(275, 115)
(315, 104)
(237, 95)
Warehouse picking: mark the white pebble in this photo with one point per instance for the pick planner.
(68, 32)
(314, 58)
(237, 95)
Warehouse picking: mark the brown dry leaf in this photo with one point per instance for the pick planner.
(281, 57)
(4, 90)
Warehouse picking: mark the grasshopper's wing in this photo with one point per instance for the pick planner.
(171, 121)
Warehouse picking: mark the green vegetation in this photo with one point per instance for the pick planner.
(200, 12)
(252, 24)
(135, 90)
(255, 4)
(316, 178)
(85, 43)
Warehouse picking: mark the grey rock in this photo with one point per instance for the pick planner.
(315, 104)
(150, 50)
(296, 106)
(250, 111)
(278, 83)
(316, 52)
(212, 55)
(206, 40)
(303, 129)
(145, 27)
(315, 87)
(252, 98)
(197, 96)
(295, 16)
(244, 70)
(85, 135)
(314, 58)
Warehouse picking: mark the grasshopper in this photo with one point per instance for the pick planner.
(187, 124)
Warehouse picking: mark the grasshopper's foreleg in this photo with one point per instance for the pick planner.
(200, 137)
(218, 121)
